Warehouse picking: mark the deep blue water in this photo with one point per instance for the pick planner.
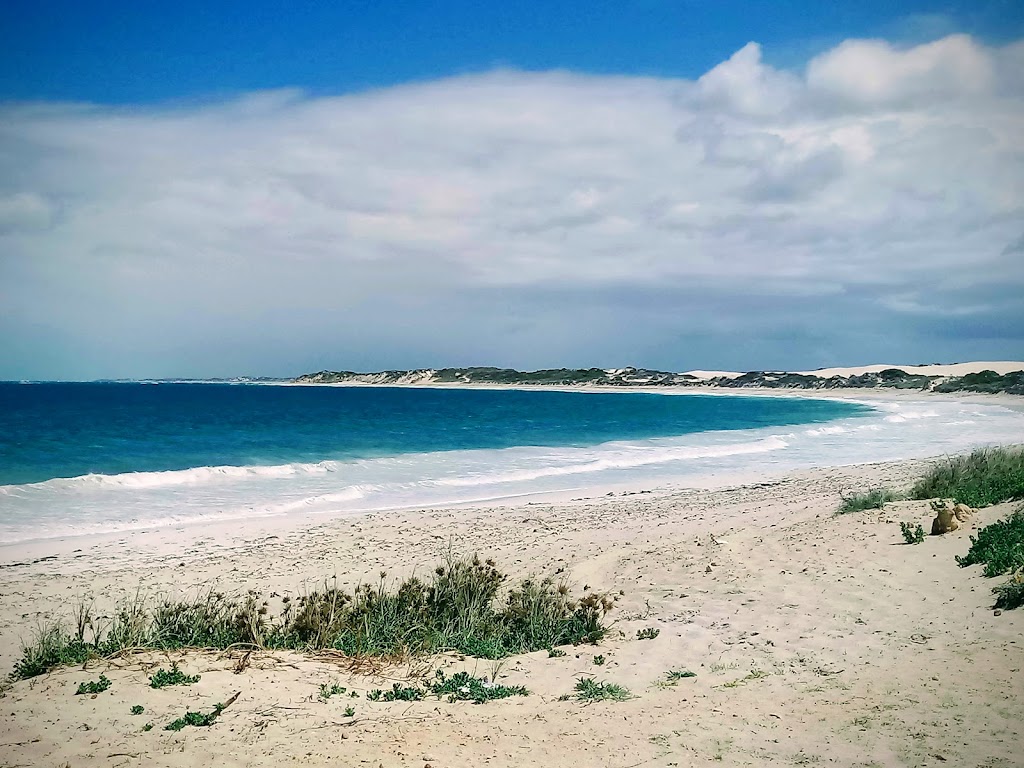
(64, 430)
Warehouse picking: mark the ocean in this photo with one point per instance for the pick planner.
(78, 458)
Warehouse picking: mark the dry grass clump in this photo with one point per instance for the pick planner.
(464, 606)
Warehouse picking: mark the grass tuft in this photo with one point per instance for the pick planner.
(588, 689)
(647, 634)
(873, 499)
(985, 477)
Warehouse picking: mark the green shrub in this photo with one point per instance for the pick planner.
(174, 676)
(998, 546)
(397, 693)
(93, 686)
(199, 719)
(647, 634)
(1010, 594)
(138, 709)
(912, 535)
(464, 687)
(986, 476)
(873, 499)
(330, 689)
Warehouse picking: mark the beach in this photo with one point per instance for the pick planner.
(813, 638)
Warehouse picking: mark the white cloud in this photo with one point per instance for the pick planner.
(873, 72)
(461, 220)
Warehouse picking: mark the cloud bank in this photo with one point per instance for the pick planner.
(868, 207)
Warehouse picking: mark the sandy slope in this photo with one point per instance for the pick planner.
(955, 369)
(816, 640)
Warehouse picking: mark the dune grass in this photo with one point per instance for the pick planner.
(876, 498)
(984, 477)
(463, 606)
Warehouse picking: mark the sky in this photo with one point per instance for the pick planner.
(220, 189)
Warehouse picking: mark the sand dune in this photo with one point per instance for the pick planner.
(953, 369)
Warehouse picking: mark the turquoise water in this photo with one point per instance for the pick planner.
(91, 458)
(64, 430)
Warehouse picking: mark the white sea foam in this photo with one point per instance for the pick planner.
(98, 503)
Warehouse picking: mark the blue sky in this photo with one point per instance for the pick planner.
(216, 189)
(131, 52)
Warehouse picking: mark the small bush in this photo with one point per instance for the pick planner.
(199, 719)
(985, 477)
(679, 674)
(174, 676)
(350, 711)
(330, 689)
(464, 687)
(1010, 594)
(93, 686)
(999, 546)
(912, 535)
(598, 661)
(873, 499)
(554, 653)
(588, 689)
(397, 693)
(647, 634)
(138, 709)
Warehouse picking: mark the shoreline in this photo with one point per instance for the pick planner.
(30, 549)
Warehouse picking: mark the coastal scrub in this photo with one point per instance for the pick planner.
(464, 606)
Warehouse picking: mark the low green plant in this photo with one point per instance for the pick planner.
(647, 634)
(94, 686)
(876, 498)
(147, 727)
(999, 546)
(679, 674)
(330, 689)
(138, 709)
(984, 477)
(554, 653)
(198, 719)
(912, 535)
(588, 689)
(398, 692)
(598, 661)
(350, 711)
(464, 687)
(1010, 594)
(173, 676)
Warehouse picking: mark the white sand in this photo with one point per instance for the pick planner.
(816, 640)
